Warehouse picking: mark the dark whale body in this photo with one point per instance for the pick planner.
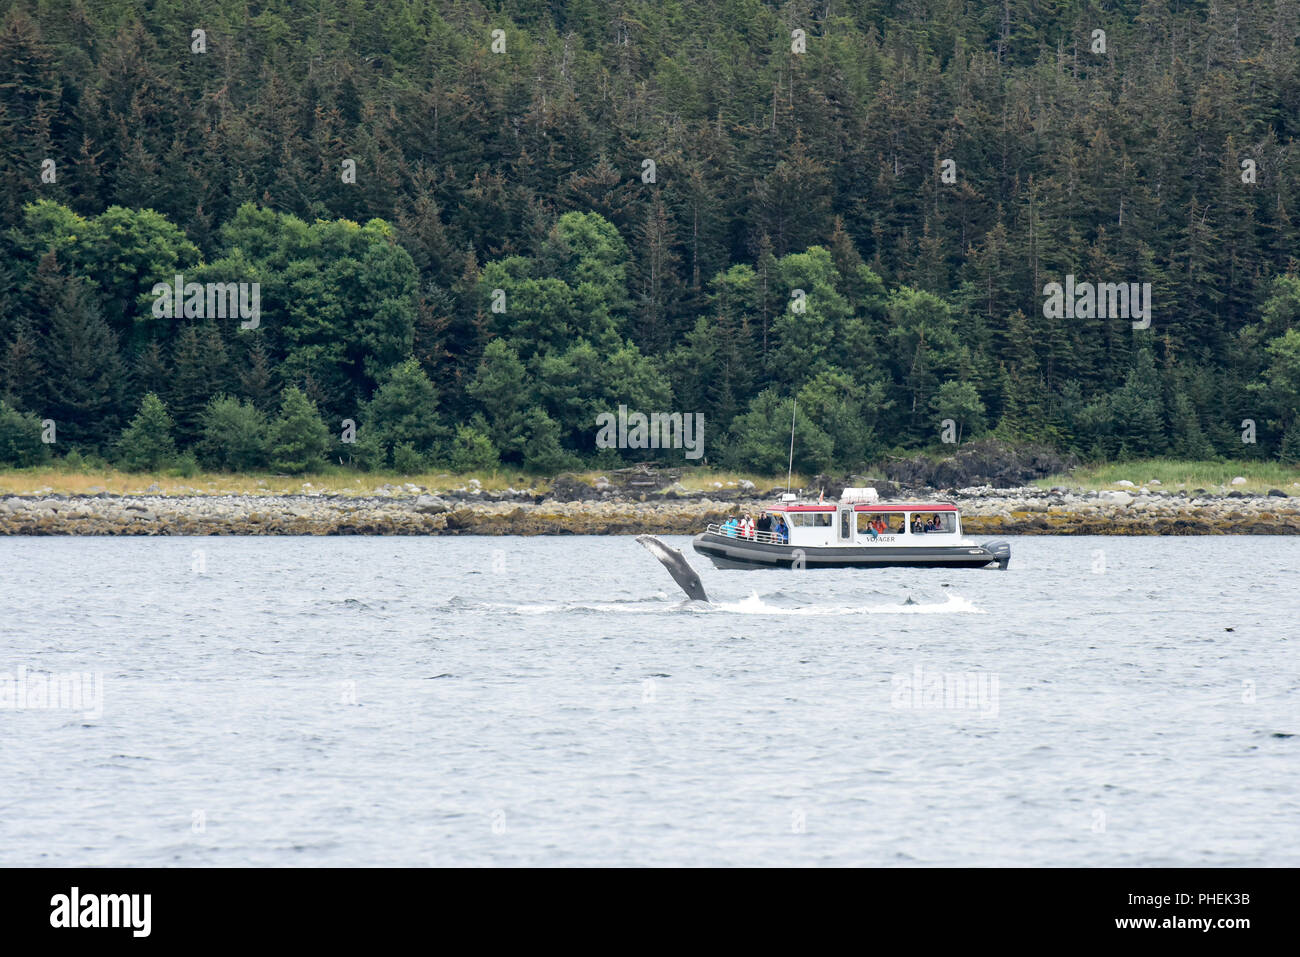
(677, 566)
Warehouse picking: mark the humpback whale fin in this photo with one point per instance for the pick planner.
(677, 566)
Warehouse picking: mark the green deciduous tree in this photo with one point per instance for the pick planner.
(759, 440)
(960, 402)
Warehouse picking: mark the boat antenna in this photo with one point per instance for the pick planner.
(790, 470)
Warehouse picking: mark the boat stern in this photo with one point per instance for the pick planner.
(1000, 552)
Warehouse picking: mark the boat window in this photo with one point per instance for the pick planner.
(885, 523)
(929, 522)
(815, 519)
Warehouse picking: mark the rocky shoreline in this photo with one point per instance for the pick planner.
(595, 510)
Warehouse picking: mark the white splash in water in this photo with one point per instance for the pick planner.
(753, 605)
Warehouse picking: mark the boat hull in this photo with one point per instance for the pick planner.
(727, 552)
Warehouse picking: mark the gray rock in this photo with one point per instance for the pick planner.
(430, 505)
(1116, 498)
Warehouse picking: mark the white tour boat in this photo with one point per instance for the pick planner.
(857, 531)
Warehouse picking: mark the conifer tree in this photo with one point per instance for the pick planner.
(298, 438)
(83, 384)
(146, 444)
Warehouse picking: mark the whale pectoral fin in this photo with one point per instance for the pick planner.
(677, 566)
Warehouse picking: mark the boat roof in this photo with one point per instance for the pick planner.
(867, 507)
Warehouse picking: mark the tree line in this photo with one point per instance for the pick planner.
(469, 244)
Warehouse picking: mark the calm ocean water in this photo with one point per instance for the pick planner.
(555, 701)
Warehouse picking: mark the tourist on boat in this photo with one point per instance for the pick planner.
(918, 527)
(935, 524)
(782, 530)
(764, 523)
(730, 527)
(880, 526)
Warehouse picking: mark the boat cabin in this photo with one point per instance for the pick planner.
(871, 523)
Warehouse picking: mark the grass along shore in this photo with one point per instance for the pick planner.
(51, 480)
(1173, 475)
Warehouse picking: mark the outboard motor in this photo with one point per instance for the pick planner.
(1001, 551)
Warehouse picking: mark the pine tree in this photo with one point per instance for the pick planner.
(23, 371)
(257, 378)
(404, 410)
(298, 439)
(151, 372)
(146, 444)
(656, 283)
(503, 392)
(234, 435)
(200, 370)
(84, 381)
(20, 438)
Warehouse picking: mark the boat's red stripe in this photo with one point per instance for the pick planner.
(937, 507)
(905, 508)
